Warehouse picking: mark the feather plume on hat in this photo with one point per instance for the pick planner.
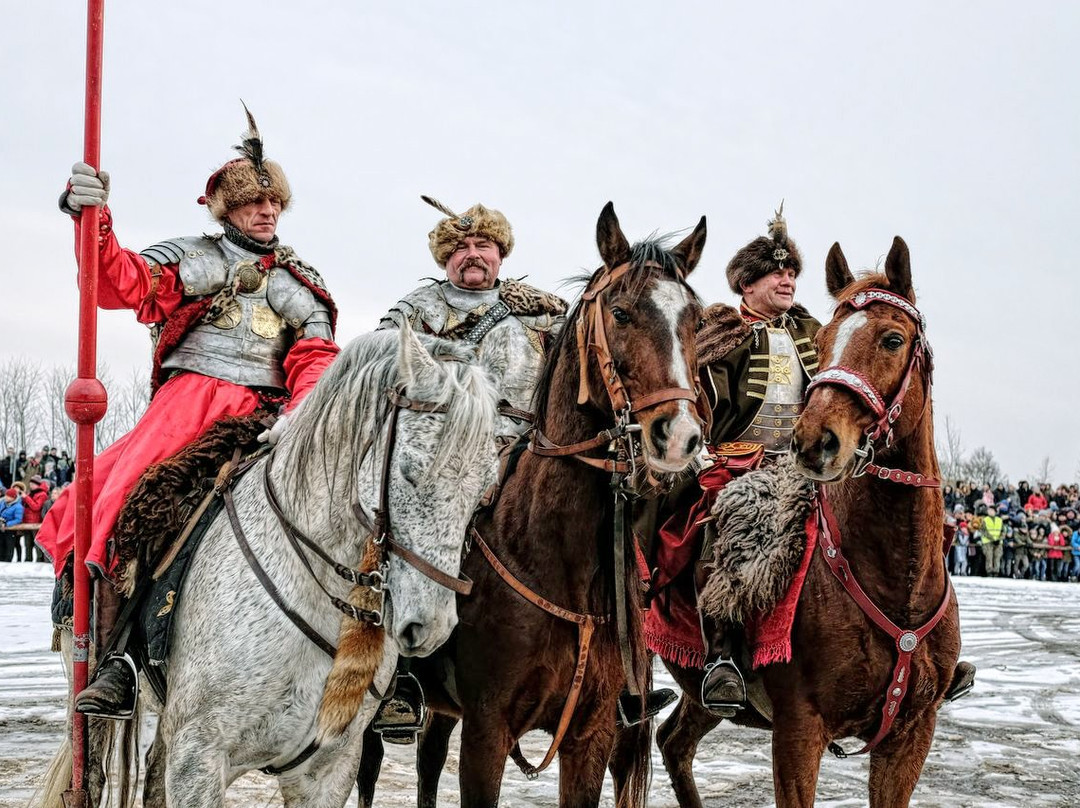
(251, 145)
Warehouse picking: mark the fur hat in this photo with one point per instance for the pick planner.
(476, 221)
(246, 179)
(763, 255)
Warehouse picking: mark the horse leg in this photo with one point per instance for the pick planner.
(896, 765)
(678, 738)
(154, 786)
(630, 743)
(485, 745)
(194, 769)
(798, 742)
(370, 765)
(431, 752)
(582, 764)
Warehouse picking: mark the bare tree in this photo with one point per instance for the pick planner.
(1045, 472)
(18, 396)
(951, 452)
(981, 467)
(108, 428)
(61, 429)
(131, 399)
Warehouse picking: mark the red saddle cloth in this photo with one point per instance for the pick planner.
(672, 625)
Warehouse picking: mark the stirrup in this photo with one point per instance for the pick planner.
(401, 716)
(628, 707)
(734, 682)
(966, 683)
(122, 711)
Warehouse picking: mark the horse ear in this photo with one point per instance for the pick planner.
(689, 250)
(837, 274)
(898, 269)
(614, 248)
(413, 358)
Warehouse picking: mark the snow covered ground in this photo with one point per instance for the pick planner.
(1014, 742)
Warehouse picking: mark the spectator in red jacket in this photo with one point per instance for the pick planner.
(1055, 554)
(1037, 501)
(32, 502)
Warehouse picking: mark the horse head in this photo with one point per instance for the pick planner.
(442, 459)
(874, 385)
(634, 330)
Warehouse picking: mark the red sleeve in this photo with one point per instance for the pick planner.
(304, 364)
(124, 280)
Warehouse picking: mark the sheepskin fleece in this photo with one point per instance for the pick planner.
(756, 543)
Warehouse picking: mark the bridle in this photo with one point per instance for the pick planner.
(907, 640)
(621, 465)
(922, 359)
(592, 340)
(380, 539)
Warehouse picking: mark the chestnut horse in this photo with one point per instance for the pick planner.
(866, 436)
(538, 643)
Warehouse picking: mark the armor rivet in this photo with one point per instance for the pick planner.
(188, 290)
(776, 434)
(201, 252)
(757, 431)
(778, 408)
(191, 254)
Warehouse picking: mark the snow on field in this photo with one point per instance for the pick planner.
(1013, 743)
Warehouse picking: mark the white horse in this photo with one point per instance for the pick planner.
(244, 683)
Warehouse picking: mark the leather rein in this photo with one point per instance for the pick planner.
(907, 640)
(621, 464)
(381, 536)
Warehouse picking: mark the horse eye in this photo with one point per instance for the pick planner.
(621, 317)
(893, 342)
(700, 324)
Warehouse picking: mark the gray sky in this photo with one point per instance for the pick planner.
(954, 125)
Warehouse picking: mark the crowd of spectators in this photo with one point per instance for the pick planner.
(30, 484)
(1014, 531)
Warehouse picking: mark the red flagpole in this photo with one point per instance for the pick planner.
(86, 399)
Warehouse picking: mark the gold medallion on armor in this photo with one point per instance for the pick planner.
(248, 276)
(265, 322)
(230, 317)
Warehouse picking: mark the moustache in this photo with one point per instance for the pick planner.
(474, 262)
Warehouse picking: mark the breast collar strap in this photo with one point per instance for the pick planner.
(885, 415)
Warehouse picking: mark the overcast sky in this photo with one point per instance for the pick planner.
(954, 125)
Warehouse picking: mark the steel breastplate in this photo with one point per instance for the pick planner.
(246, 344)
(777, 378)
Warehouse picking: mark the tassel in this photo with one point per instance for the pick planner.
(54, 647)
(360, 651)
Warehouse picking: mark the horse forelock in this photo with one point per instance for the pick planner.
(344, 413)
(650, 260)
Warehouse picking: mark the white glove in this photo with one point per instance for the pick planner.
(274, 433)
(88, 187)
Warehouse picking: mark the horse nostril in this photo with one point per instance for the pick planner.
(659, 431)
(693, 444)
(830, 444)
(412, 636)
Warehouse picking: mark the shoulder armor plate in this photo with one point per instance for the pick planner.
(290, 298)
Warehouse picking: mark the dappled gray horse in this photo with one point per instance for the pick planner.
(244, 683)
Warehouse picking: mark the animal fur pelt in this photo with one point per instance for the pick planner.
(757, 541)
(725, 329)
(360, 650)
(157, 508)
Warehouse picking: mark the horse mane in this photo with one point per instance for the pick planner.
(344, 413)
(648, 259)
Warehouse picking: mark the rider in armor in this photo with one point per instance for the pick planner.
(239, 323)
(511, 323)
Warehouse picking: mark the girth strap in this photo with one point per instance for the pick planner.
(586, 624)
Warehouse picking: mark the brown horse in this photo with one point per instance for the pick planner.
(538, 643)
(853, 672)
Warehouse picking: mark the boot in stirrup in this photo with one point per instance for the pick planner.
(629, 709)
(401, 716)
(723, 691)
(962, 682)
(114, 691)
